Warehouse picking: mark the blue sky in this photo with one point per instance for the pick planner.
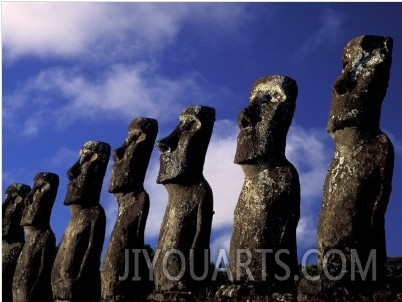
(74, 72)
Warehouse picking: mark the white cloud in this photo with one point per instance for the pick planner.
(62, 156)
(103, 35)
(111, 209)
(31, 126)
(309, 151)
(222, 241)
(327, 32)
(306, 232)
(59, 96)
(48, 28)
(158, 200)
(104, 29)
(224, 177)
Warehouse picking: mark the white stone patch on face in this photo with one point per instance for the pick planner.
(197, 109)
(350, 114)
(271, 91)
(364, 62)
(135, 136)
(94, 147)
(268, 91)
(188, 118)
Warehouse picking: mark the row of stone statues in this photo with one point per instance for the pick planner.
(356, 194)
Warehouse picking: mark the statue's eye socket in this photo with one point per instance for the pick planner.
(244, 119)
(187, 125)
(119, 153)
(267, 98)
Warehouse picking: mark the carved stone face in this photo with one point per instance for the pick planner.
(39, 202)
(132, 158)
(183, 151)
(264, 123)
(86, 175)
(13, 207)
(358, 93)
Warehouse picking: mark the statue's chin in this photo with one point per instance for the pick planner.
(166, 178)
(249, 158)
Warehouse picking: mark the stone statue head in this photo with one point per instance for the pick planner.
(265, 122)
(132, 158)
(39, 202)
(86, 175)
(183, 151)
(358, 93)
(13, 207)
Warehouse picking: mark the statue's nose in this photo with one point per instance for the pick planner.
(74, 171)
(170, 142)
(118, 153)
(248, 117)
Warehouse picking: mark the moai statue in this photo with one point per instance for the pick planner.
(12, 235)
(32, 275)
(358, 184)
(119, 265)
(263, 241)
(75, 274)
(183, 247)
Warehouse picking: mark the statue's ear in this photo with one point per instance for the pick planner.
(93, 158)
(46, 187)
(18, 199)
(141, 137)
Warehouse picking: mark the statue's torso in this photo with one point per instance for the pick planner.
(352, 190)
(32, 274)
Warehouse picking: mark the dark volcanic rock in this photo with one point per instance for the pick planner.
(183, 244)
(126, 183)
(75, 274)
(268, 209)
(32, 275)
(12, 234)
(358, 183)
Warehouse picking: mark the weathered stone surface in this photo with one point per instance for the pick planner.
(12, 234)
(358, 183)
(32, 275)
(75, 273)
(268, 209)
(126, 183)
(186, 225)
